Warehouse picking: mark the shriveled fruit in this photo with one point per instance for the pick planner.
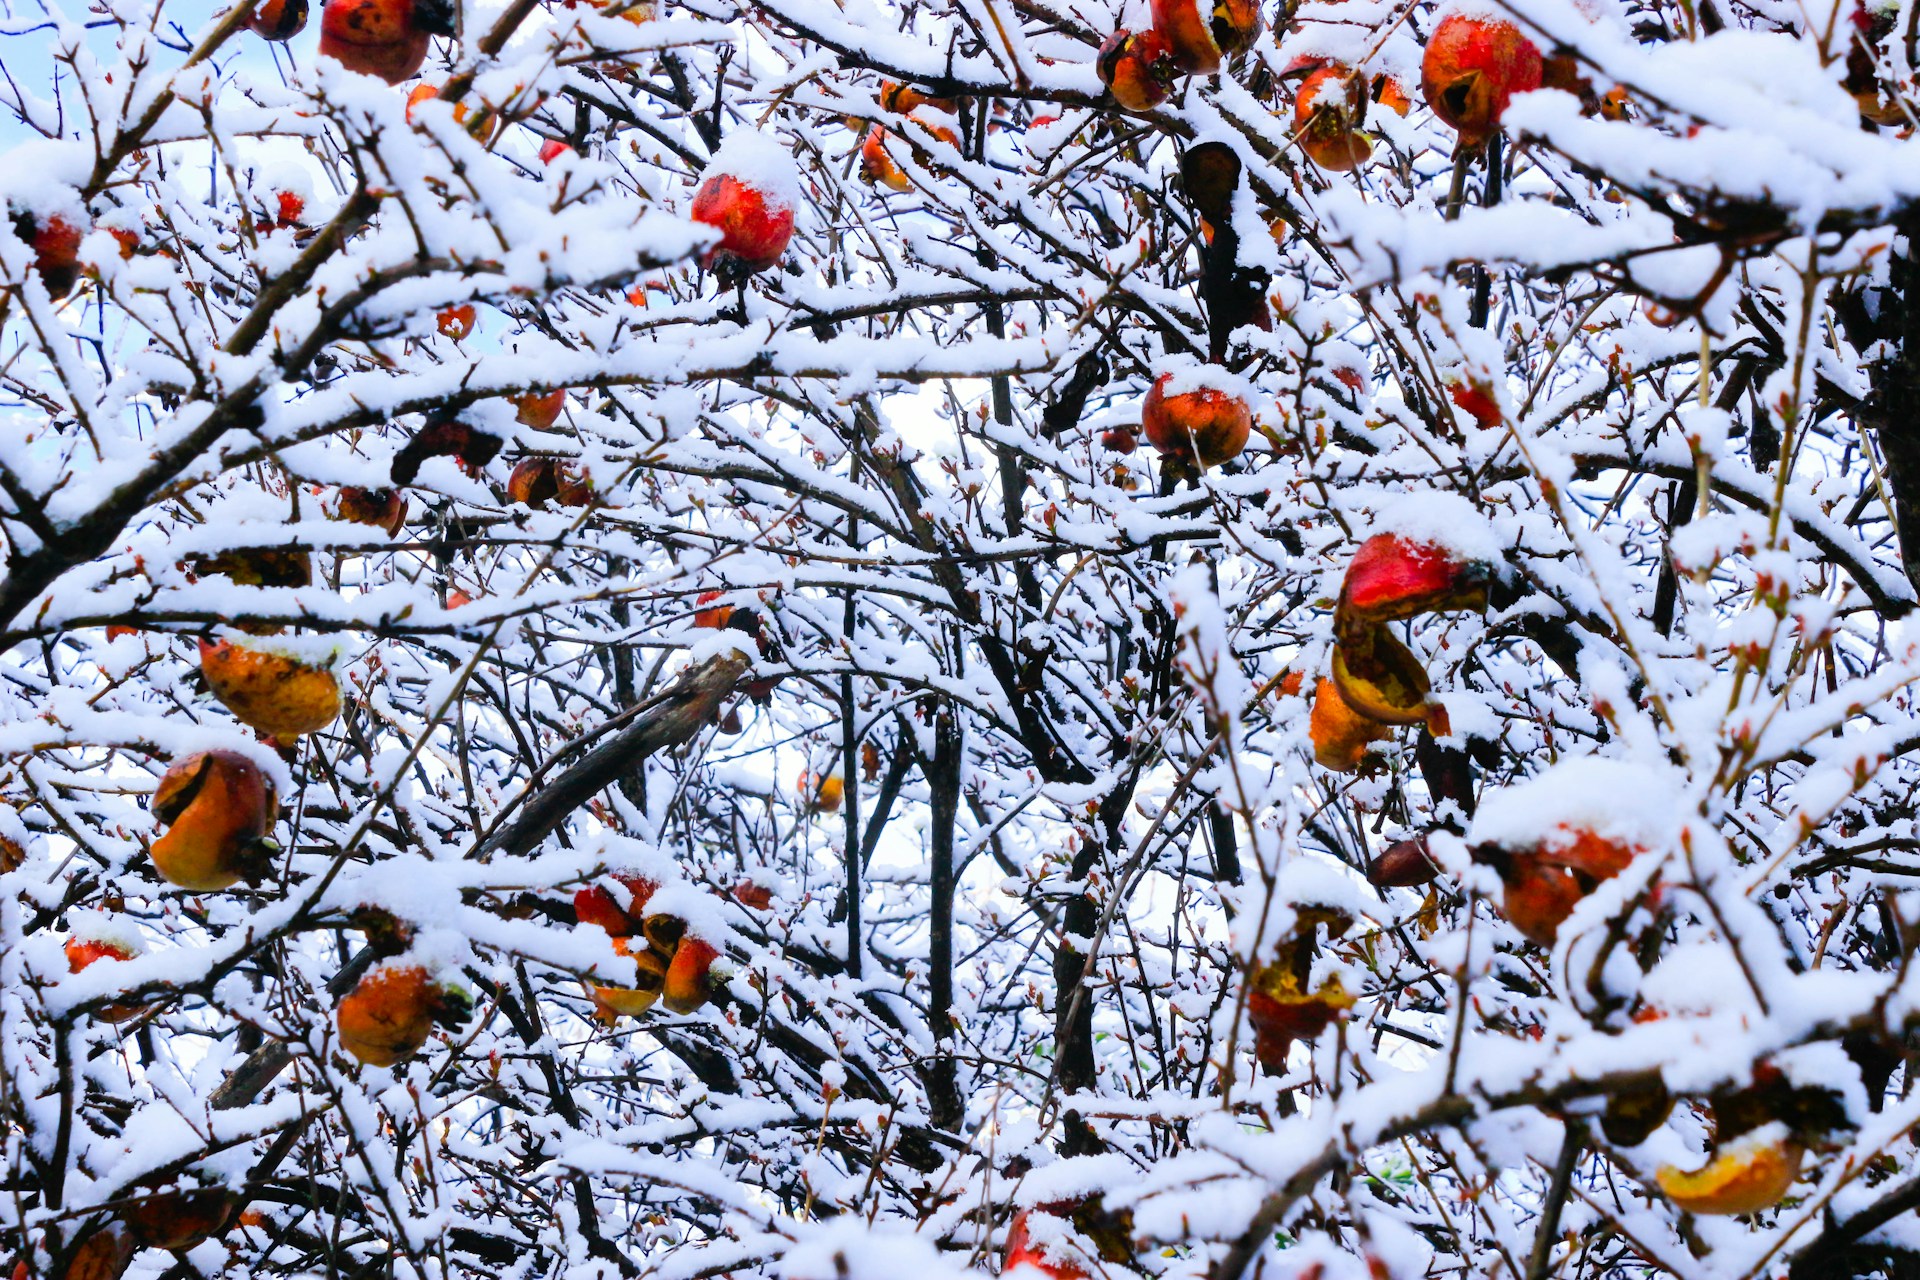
(1472, 67)
(689, 981)
(1404, 864)
(278, 20)
(268, 691)
(256, 566)
(55, 241)
(179, 1220)
(219, 808)
(538, 481)
(1196, 414)
(1380, 678)
(596, 905)
(457, 321)
(384, 38)
(1632, 1114)
(611, 1003)
(386, 1018)
(1138, 68)
(444, 438)
(1749, 1174)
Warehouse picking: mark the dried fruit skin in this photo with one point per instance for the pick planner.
(381, 508)
(1749, 1174)
(278, 20)
(1138, 69)
(271, 692)
(1340, 734)
(387, 1018)
(1472, 68)
(455, 322)
(1380, 678)
(374, 37)
(1327, 114)
(689, 982)
(218, 806)
(753, 236)
(1205, 423)
(877, 166)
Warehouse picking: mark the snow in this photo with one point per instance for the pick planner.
(1184, 377)
(759, 161)
(1635, 804)
(1437, 518)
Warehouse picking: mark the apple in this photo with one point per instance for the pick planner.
(218, 808)
(1327, 114)
(1472, 67)
(268, 691)
(1750, 1173)
(540, 409)
(386, 1018)
(104, 942)
(1189, 415)
(278, 20)
(689, 981)
(55, 241)
(179, 1220)
(384, 38)
(381, 508)
(1138, 68)
(1202, 33)
(457, 321)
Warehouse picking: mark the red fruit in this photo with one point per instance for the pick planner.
(179, 1220)
(290, 205)
(278, 20)
(594, 905)
(387, 1018)
(756, 897)
(715, 616)
(1392, 577)
(540, 409)
(1138, 68)
(456, 322)
(381, 508)
(1021, 1252)
(82, 952)
(1200, 33)
(905, 99)
(877, 166)
(1478, 401)
(552, 149)
(689, 981)
(1119, 439)
(1203, 422)
(1545, 882)
(374, 37)
(1405, 864)
(1327, 114)
(1472, 68)
(754, 228)
(55, 241)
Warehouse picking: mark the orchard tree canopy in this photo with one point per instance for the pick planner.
(857, 639)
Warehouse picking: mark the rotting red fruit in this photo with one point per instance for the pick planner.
(270, 692)
(1203, 422)
(1544, 882)
(1379, 677)
(278, 20)
(1138, 68)
(552, 149)
(218, 807)
(179, 1220)
(1479, 402)
(55, 241)
(1392, 577)
(1202, 33)
(1340, 734)
(381, 38)
(1404, 864)
(710, 614)
(1473, 66)
(1327, 114)
(1279, 1005)
(689, 982)
(444, 438)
